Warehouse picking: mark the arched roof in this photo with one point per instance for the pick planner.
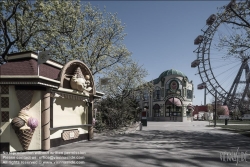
(169, 73)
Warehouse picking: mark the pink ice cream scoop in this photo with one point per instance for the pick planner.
(32, 123)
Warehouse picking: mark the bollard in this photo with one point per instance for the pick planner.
(140, 126)
(226, 120)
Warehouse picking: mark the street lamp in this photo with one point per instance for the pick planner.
(215, 103)
(215, 106)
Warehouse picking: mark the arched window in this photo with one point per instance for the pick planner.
(189, 94)
(157, 93)
(156, 109)
(145, 95)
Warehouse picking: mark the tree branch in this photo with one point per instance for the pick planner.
(239, 16)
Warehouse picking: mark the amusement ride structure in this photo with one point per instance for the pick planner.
(223, 55)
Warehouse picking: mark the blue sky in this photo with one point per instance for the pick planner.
(160, 34)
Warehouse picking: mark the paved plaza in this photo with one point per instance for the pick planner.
(170, 144)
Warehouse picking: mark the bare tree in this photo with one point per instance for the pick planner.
(237, 17)
(69, 29)
(125, 79)
(24, 23)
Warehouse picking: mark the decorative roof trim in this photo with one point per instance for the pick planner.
(70, 96)
(71, 91)
(27, 83)
(29, 76)
(34, 56)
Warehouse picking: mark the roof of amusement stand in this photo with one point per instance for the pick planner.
(25, 63)
(21, 68)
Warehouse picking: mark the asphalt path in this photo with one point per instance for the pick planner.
(168, 144)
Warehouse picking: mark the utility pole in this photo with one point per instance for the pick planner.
(215, 103)
(205, 93)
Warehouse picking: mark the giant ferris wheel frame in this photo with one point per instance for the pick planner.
(204, 64)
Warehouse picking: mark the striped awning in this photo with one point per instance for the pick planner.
(175, 101)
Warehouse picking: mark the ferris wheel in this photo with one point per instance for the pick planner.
(223, 55)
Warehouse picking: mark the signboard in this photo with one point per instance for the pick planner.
(71, 134)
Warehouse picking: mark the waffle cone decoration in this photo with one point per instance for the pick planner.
(24, 98)
(24, 127)
(78, 73)
(25, 136)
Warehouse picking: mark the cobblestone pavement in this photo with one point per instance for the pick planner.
(170, 144)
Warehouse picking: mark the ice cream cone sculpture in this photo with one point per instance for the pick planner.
(24, 127)
(80, 82)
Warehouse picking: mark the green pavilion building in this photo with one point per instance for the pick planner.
(171, 99)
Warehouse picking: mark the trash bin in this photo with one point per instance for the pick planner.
(144, 122)
(226, 121)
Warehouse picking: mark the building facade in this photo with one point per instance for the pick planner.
(46, 109)
(171, 99)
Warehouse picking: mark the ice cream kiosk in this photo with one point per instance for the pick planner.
(47, 106)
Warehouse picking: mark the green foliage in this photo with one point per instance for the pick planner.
(99, 125)
(117, 113)
(66, 27)
(235, 114)
(119, 107)
(32, 25)
(124, 79)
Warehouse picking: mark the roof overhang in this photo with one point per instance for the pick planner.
(30, 54)
(28, 80)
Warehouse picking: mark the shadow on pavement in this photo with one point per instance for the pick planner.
(158, 148)
(161, 148)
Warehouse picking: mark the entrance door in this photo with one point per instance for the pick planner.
(173, 112)
(173, 116)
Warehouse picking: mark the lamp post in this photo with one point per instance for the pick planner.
(150, 104)
(215, 103)
(205, 93)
